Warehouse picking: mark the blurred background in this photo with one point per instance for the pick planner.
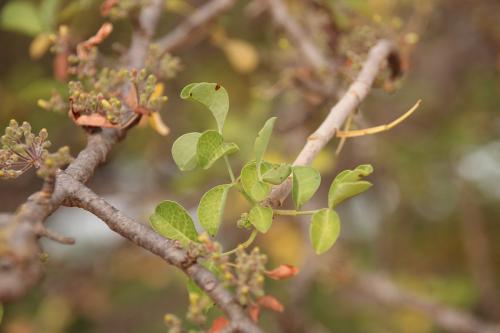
(430, 224)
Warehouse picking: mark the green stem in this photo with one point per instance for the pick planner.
(231, 174)
(292, 212)
(244, 245)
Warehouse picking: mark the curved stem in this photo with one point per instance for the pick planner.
(244, 245)
(291, 212)
(229, 169)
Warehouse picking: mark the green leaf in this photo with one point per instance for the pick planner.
(306, 181)
(172, 221)
(48, 14)
(211, 95)
(348, 184)
(253, 187)
(184, 151)
(211, 208)
(21, 16)
(277, 174)
(261, 142)
(261, 218)
(210, 148)
(324, 229)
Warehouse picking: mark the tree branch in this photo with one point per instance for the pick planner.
(356, 93)
(185, 30)
(386, 292)
(171, 251)
(20, 267)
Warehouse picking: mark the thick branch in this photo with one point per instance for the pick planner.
(185, 30)
(356, 93)
(170, 251)
(386, 292)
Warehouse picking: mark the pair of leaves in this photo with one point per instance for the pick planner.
(325, 223)
(348, 183)
(172, 221)
(200, 149)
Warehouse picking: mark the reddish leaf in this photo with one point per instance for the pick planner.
(218, 324)
(282, 272)
(107, 5)
(103, 32)
(254, 312)
(271, 303)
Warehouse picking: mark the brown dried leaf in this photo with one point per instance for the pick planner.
(271, 303)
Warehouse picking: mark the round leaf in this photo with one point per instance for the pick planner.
(348, 184)
(256, 189)
(277, 174)
(324, 229)
(184, 151)
(306, 181)
(172, 221)
(211, 208)
(261, 218)
(210, 148)
(211, 95)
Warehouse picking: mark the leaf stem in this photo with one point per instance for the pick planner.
(229, 169)
(291, 212)
(243, 245)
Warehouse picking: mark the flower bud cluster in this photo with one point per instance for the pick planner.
(22, 149)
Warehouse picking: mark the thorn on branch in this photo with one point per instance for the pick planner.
(43, 231)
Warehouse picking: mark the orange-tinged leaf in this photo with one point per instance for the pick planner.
(218, 324)
(282, 272)
(254, 312)
(94, 120)
(271, 303)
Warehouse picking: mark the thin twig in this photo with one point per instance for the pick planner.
(186, 29)
(311, 53)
